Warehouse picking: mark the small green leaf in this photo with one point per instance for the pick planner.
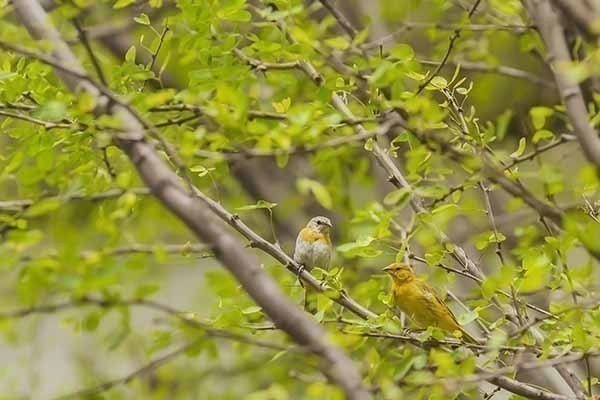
(522, 144)
(542, 134)
(42, 207)
(439, 82)
(539, 116)
(130, 55)
(402, 52)
(283, 105)
(146, 290)
(251, 310)
(201, 170)
(398, 197)
(338, 43)
(122, 3)
(142, 19)
(318, 190)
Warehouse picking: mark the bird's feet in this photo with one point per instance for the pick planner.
(299, 274)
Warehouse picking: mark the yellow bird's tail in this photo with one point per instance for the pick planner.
(467, 337)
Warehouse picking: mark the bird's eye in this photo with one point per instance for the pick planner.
(319, 223)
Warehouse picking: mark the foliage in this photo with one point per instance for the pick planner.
(243, 92)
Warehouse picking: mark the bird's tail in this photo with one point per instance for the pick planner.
(468, 338)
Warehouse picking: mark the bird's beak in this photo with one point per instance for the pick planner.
(329, 224)
(388, 268)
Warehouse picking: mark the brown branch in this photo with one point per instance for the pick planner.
(411, 25)
(21, 204)
(191, 208)
(572, 380)
(550, 29)
(260, 65)
(495, 69)
(340, 18)
(46, 124)
(88, 47)
(161, 40)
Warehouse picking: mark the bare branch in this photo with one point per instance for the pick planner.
(88, 47)
(303, 66)
(21, 204)
(411, 25)
(496, 69)
(340, 18)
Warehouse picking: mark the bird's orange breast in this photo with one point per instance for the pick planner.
(312, 236)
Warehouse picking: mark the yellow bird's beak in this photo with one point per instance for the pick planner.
(387, 269)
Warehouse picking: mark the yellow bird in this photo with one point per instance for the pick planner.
(419, 301)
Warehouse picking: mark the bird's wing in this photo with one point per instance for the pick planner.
(302, 249)
(431, 292)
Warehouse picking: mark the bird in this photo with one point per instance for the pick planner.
(313, 248)
(420, 302)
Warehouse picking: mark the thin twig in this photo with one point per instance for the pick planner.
(451, 42)
(88, 47)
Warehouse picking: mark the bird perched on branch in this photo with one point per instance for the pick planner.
(419, 301)
(313, 248)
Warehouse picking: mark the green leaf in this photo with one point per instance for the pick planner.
(142, 19)
(15, 162)
(42, 207)
(338, 43)
(522, 144)
(6, 75)
(234, 13)
(130, 55)
(201, 170)
(543, 134)
(362, 247)
(146, 290)
(502, 124)
(399, 197)
(439, 82)
(91, 321)
(320, 192)
(122, 3)
(536, 266)
(402, 52)
(251, 310)
(283, 105)
(539, 116)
